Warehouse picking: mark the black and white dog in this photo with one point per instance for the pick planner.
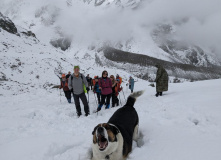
(113, 140)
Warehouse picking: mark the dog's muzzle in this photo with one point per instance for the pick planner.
(102, 141)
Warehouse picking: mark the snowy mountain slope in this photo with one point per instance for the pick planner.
(181, 51)
(183, 124)
(118, 3)
(86, 24)
(28, 64)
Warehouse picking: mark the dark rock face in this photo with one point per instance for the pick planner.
(7, 24)
(180, 70)
(3, 77)
(98, 2)
(63, 43)
(29, 34)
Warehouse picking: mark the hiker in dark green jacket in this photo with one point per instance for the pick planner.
(161, 80)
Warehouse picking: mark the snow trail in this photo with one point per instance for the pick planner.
(182, 124)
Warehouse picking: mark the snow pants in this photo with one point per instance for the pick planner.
(83, 98)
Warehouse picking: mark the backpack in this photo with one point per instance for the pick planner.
(93, 82)
(85, 90)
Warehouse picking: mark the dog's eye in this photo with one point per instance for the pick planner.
(107, 127)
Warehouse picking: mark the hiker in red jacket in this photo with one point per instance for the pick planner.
(105, 85)
(116, 88)
(64, 85)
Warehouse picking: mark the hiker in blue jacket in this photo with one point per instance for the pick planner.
(131, 84)
(96, 89)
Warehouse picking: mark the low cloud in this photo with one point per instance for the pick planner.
(194, 21)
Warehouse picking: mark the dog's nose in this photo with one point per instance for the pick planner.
(100, 130)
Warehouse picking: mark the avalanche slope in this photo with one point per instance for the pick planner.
(183, 124)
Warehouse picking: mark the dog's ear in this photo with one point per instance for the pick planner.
(94, 130)
(115, 130)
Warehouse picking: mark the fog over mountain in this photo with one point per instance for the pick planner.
(195, 22)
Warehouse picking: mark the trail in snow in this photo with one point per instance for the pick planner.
(183, 124)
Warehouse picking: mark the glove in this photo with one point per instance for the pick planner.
(72, 90)
(87, 89)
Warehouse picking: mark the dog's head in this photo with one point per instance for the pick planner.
(105, 136)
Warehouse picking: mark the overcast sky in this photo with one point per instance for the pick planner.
(201, 20)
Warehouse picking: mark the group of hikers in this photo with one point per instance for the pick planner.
(106, 88)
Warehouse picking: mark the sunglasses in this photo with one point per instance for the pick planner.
(105, 74)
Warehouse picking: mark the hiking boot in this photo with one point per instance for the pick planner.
(160, 93)
(69, 100)
(86, 114)
(107, 106)
(117, 104)
(157, 94)
(79, 114)
(98, 109)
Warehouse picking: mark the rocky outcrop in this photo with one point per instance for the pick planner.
(29, 34)
(7, 24)
(63, 43)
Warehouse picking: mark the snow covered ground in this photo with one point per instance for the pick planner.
(184, 124)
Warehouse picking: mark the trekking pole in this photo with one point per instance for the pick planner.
(60, 95)
(95, 99)
(96, 102)
(88, 97)
(120, 99)
(124, 96)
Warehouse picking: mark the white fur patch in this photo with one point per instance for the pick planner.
(136, 133)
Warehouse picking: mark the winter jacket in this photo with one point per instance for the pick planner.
(106, 85)
(96, 88)
(161, 79)
(64, 85)
(116, 89)
(77, 83)
(68, 75)
(119, 79)
(131, 84)
(89, 80)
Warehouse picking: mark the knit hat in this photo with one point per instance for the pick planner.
(76, 67)
(63, 75)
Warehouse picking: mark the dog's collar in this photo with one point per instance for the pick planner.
(108, 156)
